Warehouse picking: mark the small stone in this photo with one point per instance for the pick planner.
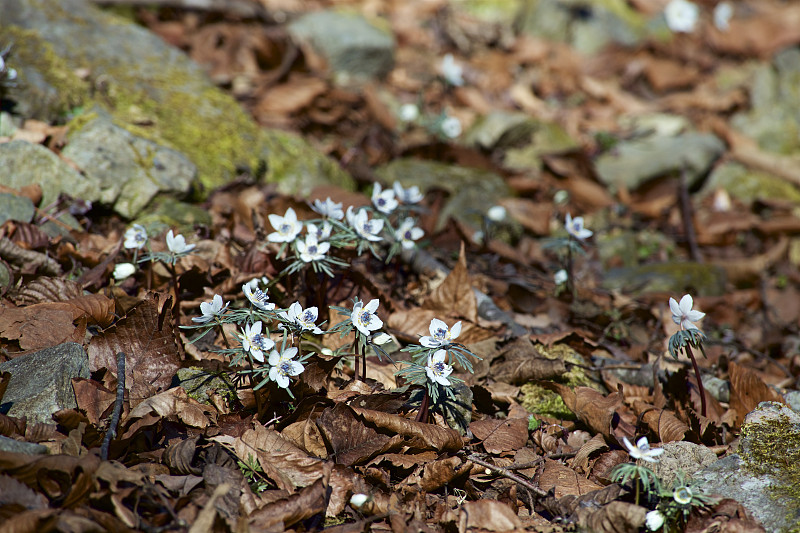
(682, 455)
(348, 42)
(17, 446)
(41, 382)
(13, 207)
(631, 164)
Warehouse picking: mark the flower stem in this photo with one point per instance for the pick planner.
(571, 288)
(701, 389)
(424, 407)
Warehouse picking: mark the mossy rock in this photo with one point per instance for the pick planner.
(749, 186)
(198, 382)
(149, 88)
(168, 212)
(673, 277)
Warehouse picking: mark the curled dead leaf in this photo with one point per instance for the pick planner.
(438, 438)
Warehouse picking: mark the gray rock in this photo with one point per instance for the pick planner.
(587, 25)
(748, 185)
(773, 118)
(24, 163)
(519, 139)
(17, 446)
(720, 389)
(41, 382)
(472, 191)
(792, 398)
(13, 207)
(673, 277)
(348, 42)
(129, 170)
(632, 163)
(764, 475)
(150, 88)
(684, 456)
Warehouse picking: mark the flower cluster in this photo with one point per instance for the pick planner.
(432, 360)
(8, 75)
(386, 222)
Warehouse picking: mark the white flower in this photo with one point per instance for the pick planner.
(722, 16)
(642, 450)
(407, 196)
(407, 233)
(304, 318)
(321, 234)
(409, 112)
(124, 270)
(283, 366)
(561, 277)
(441, 335)
(287, 227)
(177, 244)
(451, 127)
(654, 520)
(452, 71)
(135, 237)
(681, 16)
(683, 314)
(311, 249)
(256, 296)
(575, 227)
(210, 309)
(328, 208)
(437, 369)
(384, 201)
(683, 495)
(380, 338)
(358, 499)
(497, 213)
(254, 342)
(364, 317)
(365, 228)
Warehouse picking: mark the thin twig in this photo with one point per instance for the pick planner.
(686, 213)
(507, 474)
(536, 462)
(112, 427)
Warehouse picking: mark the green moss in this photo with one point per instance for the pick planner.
(31, 54)
(773, 449)
(217, 145)
(538, 400)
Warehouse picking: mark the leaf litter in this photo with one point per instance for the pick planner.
(253, 460)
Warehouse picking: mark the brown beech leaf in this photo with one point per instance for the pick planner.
(42, 325)
(174, 404)
(92, 398)
(352, 441)
(592, 408)
(306, 503)
(455, 292)
(438, 438)
(59, 477)
(483, 515)
(19, 494)
(565, 480)
(147, 336)
(594, 444)
(570, 503)
(437, 474)
(283, 462)
(616, 517)
(46, 289)
(501, 435)
(662, 422)
(179, 456)
(748, 390)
